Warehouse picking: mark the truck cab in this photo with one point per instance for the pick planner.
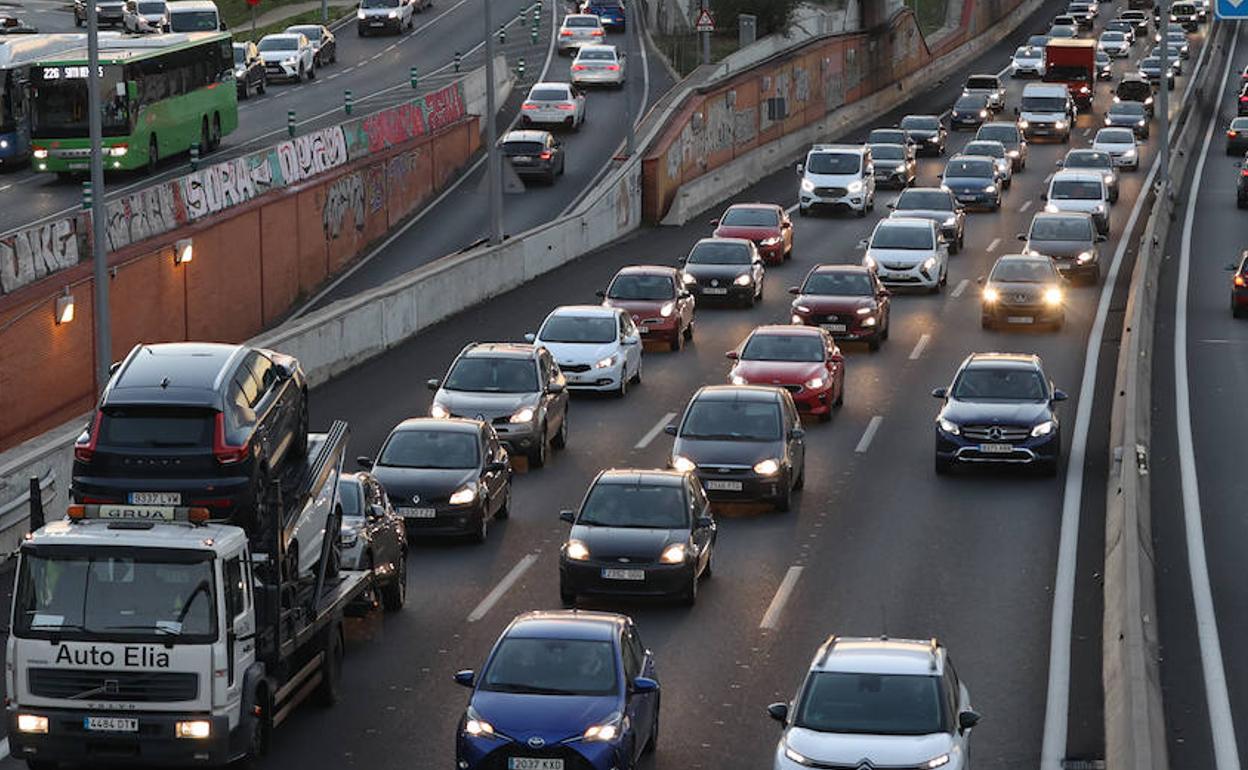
(1073, 63)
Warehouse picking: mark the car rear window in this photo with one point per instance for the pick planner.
(581, 21)
(971, 102)
(888, 152)
(981, 82)
(145, 427)
(1115, 136)
(523, 148)
(549, 94)
(920, 122)
(991, 149)
(887, 136)
(586, 55)
(351, 496)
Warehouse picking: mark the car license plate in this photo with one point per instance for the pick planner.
(376, 24)
(996, 449)
(418, 513)
(642, 330)
(623, 574)
(533, 763)
(835, 327)
(522, 159)
(714, 290)
(156, 498)
(79, 166)
(139, 512)
(1020, 319)
(724, 486)
(111, 724)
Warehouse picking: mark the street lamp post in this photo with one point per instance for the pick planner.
(493, 167)
(1163, 100)
(99, 220)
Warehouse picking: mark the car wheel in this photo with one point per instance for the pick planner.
(537, 455)
(394, 596)
(784, 501)
(637, 374)
(689, 331)
(312, 72)
(300, 77)
(622, 390)
(887, 324)
(482, 532)
(153, 154)
(943, 466)
(801, 477)
(560, 440)
(653, 741)
(689, 596)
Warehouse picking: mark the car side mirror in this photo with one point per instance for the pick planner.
(1044, 195)
(1232, 267)
(567, 515)
(795, 290)
(1059, 162)
(465, 678)
(797, 434)
(682, 260)
(732, 355)
(758, 262)
(222, 26)
(113, 367)
(600, 294)
(786, 225)
(630, 340)
(669, 429)
(364, 462)
(940, 392)
(703, 522)
(891, 205)
(1022, 236)
(862, 244)
(433, 384)
(837, 358)
(496, 466)
(967, 720)
(1059, 395)
(1102, 238)
(779, 712)
(530, 337)
(643, 685)
(801, 168)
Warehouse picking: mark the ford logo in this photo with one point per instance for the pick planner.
(537, 742)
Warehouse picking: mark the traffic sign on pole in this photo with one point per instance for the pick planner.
(1231, 9)
(706, 23)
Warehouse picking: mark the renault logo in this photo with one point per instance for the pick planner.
(537, 742)
(714, 281)
(416, 499)
(994, 433)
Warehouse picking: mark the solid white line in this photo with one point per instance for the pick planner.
(653, 433)
(503, 587)
(772, 616)
(920, 346)
(995, 243)
(864, 443)
(4, 748)
(1221, 725)
(1057, 694)
(1025, 206)
(961, 287)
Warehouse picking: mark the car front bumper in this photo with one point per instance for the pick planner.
(1031, 450)
(481, 753)
(846, 326)
(740, 484)
(1022, 314)
(379, 24)
(594, 379)
(589, 578)
(855, 201)
(447, 519)
(729, 292)
(68, 739)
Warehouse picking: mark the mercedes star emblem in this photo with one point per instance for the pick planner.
(994, 433)
(537, 742)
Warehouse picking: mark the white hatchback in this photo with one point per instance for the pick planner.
(598, 65)
(554, 104)
(907, 251)
(597, 348)
(1120, 144)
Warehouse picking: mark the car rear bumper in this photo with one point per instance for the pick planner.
(223, 496)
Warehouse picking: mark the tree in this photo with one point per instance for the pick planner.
(773, 15)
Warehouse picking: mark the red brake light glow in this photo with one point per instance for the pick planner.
(545, 155)
(578, 67)
(84, 451)
(566, 32)
(596, 33)
(226, 453)
(613, 67)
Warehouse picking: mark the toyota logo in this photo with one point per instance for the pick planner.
(994, 433)
(537, 742)
(416, 499)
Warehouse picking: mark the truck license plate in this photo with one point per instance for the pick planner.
(724, 486)
(156, 498)
(996, 449)
(111, 724)
(533, 763)
(623, 574)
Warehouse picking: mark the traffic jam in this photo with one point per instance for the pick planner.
(218, 550)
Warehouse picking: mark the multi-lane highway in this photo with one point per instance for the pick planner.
(1199, 377)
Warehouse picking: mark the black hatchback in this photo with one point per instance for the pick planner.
(638, 533)
(534, 154)
(193, 424)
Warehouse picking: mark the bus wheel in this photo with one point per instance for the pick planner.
(205, 141)
(215, 137)
(153, 155)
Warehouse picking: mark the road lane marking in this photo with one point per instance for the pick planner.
(503, 587)
(771, 618)
(653, 433)
(920, 346)
(1087, 132)
(1057, 693)
(1026, 205)
(995, 243)
(1221, 724)
(864, 443)
(961, 287)
(792, 208)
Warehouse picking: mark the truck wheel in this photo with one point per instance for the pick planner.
(327, 692)
(258, 741)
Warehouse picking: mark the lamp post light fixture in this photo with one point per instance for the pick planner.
(64, 308)
(183, 251)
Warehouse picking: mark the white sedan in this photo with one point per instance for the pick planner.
(597, 348)
(579, 29)
(1028, 60)
(598, 65)
(1120, 144)
(554, 104)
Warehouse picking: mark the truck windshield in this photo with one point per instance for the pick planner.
(115, 593)
(1044, 104)
(193, 21)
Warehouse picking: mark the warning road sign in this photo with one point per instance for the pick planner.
(705, 23)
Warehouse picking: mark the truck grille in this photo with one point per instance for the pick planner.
(137, 686)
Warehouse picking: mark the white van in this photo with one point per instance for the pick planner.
(194, 16)
(1046, 110)
(839, 176)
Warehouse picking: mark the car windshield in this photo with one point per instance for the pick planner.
(436, 449)
(719, 253)
(1113, 36)
(839, 284)
(716, 419)
(151, 7)
(886, 136)
(148, 427)
(1239, 124)
(991, 149)
(833, 163)
(1062, 31)
(1009, 383)
(1075, 189)
(750, 217)
(1006, 135)
(1038, 42)
(579, 329)
(493, 375)
(634, 506)
(1151, 64)
(193, 21)
(971, 102)
(1043, 104)
(971, 168)
(891, 236)
(552, 667)
(279, 44)
(548, 95)
(380, 3)
(920, 123)
(935, 200)
(240, 54)
(1023, 271)
(981, 83)
(641, 287)
(873, 704)
(1115, 136)
(1086, 159)
(351, 497)
(112, 593)
(783, 347)
(888, 152)
(1026, 53)
(1061, 229)
(598, 55)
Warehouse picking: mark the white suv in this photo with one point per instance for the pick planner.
(877, 703)
(839, 175)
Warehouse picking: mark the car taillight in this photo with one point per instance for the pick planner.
(84, 451)
(1232, 133)
(1243, 98)
(545, 155)
(528, 106)
(613, 67)
(227, 454)
(596, 33)
(566, 32)
(565, 106)
(578, 67)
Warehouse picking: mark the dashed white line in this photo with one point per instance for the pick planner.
(503, 587)
(772, 617)
(864, 443)
(1087, 132)
(995, 243)
(655, 431)
(920, 346)
(1023, 208)
(961, 287)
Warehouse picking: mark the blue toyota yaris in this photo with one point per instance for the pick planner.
(561, 691)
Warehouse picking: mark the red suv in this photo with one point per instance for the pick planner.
(801, 359)
(846, 300)
(657, 299)
(764, 223)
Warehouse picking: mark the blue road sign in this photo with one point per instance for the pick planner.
(1231, 9)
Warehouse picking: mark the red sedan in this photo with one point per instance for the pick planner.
(846, 300)
(764, 223)
(655, 296)
(803, 360)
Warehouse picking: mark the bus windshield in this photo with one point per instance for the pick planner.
(59, 100)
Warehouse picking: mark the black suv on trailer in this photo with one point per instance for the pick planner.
(193, 424)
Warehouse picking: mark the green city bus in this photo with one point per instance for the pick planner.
(159, 95)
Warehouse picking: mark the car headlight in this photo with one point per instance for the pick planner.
(1051, 207)
(933, 139)
(814, 383)
(1109, 179)
(1023, 124)
(744, 280)
(673, 554)
(983, 113)
(801, 309)
(737, 379)
(393, 14)
(934, 762)
(864, 310)
(1012, 153)
(796, 757)
(1140, 122)
(1129, 154)
(1084, 257)
(868, 261)
(950, 222)
(807, 185)
(291, 60)
(464, 495)
(576, 550)
(990, 188)
(686, 278)
(1053, 296)
(1147, 100)
(768, 467)
(476, 726)
(1099, 208)
(439, 411)
(929, 263)
(1043, 429)
(948, 426)
(1060, 124)
(772, 241)
(854, 186)
(607, 730)
(667, 309)
(868, 321)
(604, 363)
(991, 295)
(522, 415)
(361, 15)
(349, 537)
(683, 464)
(900, 167)
(797, 319)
